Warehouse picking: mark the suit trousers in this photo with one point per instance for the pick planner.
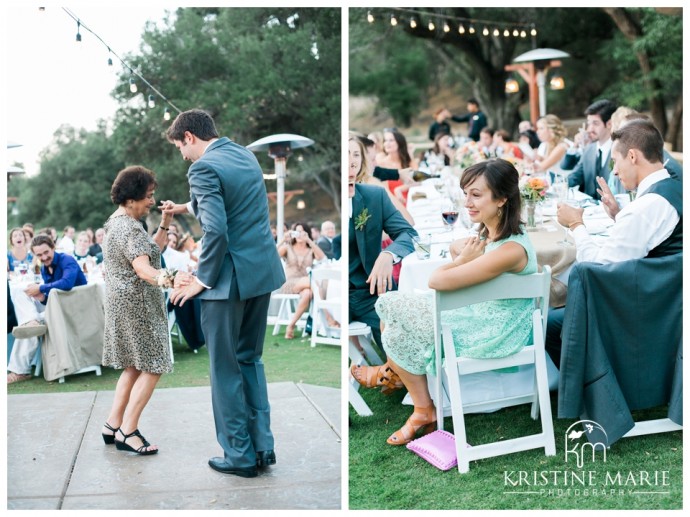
(235, 331)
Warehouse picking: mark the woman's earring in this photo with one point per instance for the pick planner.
(499, 212)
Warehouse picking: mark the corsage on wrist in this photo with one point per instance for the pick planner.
(166, 278)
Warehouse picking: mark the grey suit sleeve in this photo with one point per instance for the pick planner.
(577, 177)
(397, 228)
(205, 187)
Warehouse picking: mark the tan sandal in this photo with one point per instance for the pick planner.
(423, 418)
(374, 376)
(17, 377)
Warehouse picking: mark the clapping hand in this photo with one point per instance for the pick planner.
(607, 198)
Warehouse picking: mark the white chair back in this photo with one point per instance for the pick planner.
(321, 332)
(536, 287)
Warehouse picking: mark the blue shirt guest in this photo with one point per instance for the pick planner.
(59, 270)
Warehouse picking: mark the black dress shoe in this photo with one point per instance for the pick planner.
(221, 465)
(265, 458)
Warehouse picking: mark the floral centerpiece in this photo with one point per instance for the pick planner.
(469, 154)
(532, 191)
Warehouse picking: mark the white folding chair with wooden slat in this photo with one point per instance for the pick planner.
(535, 286)
(359, 354)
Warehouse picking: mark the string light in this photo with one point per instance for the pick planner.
(132, 83)
(465, 25)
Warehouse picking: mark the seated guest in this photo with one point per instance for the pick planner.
(440, 155)
(97, 247)
(492, 329)
(299, 252)
(649, 226)
(395, 155)
(486, 142)
(503, 147)
(325, 241)
(66, 243)
(551, 133)
(18, 253)
(440, 124)
(371, 268)
(81, 246)
(59, 270)
(187, 246)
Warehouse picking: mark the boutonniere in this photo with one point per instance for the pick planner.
(361, 219)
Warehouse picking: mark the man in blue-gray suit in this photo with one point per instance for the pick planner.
(238, 269)
(596, 156)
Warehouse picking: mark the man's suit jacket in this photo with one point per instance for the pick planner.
(584, 173)
(326, 246)
(384, 217)
(229, 199)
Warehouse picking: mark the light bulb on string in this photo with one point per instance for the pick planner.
(523, 34)
(413, 23)
(446, 27)
(485, 32)
(431, 26)
(370, 17)
(516, 33)
(461, 29)
(506, 33)
(166, 114)
(533, 32)
(512, 86)
(472, 30)
(152, 101)
(132, 85)
(497, 32)
(394, 20)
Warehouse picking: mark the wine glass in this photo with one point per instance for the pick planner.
(23, 268)
(450, 216)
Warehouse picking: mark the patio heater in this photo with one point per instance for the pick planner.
(279, 147)
(533, 67)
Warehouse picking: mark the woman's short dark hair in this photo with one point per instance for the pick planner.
(501, 177)
(133, 183)
(403, 152)
(196, 121)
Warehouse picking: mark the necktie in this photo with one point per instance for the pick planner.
(597, 165)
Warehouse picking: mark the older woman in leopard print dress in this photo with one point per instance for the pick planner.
(136, 329)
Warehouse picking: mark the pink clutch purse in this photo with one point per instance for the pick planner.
(438, 448)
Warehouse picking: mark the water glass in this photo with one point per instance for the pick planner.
(422, 246)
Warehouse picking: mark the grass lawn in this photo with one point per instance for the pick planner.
(285, 360)
(391, 477)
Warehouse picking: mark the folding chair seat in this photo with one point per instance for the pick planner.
(535, 286)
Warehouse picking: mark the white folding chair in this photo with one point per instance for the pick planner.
(362, 333)
(534, 286)
(320, 331)
(286, 309)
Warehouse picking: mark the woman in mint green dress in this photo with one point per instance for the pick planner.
(485, 330)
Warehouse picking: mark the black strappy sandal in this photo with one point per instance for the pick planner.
(109, 439)
(143, 450)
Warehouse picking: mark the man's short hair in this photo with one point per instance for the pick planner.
(474, 101)
(196, 121)
(41, 239)
(604, 108)
(642, 135)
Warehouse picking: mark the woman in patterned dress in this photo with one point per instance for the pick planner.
(299, 252)
(492, 329)
(136, 328)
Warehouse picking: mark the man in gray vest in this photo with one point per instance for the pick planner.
(238, 269)
(649, 226)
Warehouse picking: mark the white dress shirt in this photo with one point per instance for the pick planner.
(639, 228)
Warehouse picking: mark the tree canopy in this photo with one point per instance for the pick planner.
(257, 71)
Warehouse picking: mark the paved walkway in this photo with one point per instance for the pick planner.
(56, 458)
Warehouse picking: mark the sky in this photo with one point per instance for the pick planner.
(53, 80)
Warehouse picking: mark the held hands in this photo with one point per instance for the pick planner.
(381, 278)
(607, 198)
(180, 295)
(183, 279)
(473, 248)
(170, 208)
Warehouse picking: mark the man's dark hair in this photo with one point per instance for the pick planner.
(42, 239)
(642, 135)
(196, 121)
(474, 101)
(604, 108)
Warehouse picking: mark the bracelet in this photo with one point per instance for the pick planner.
(163, 228)
(575, 224)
